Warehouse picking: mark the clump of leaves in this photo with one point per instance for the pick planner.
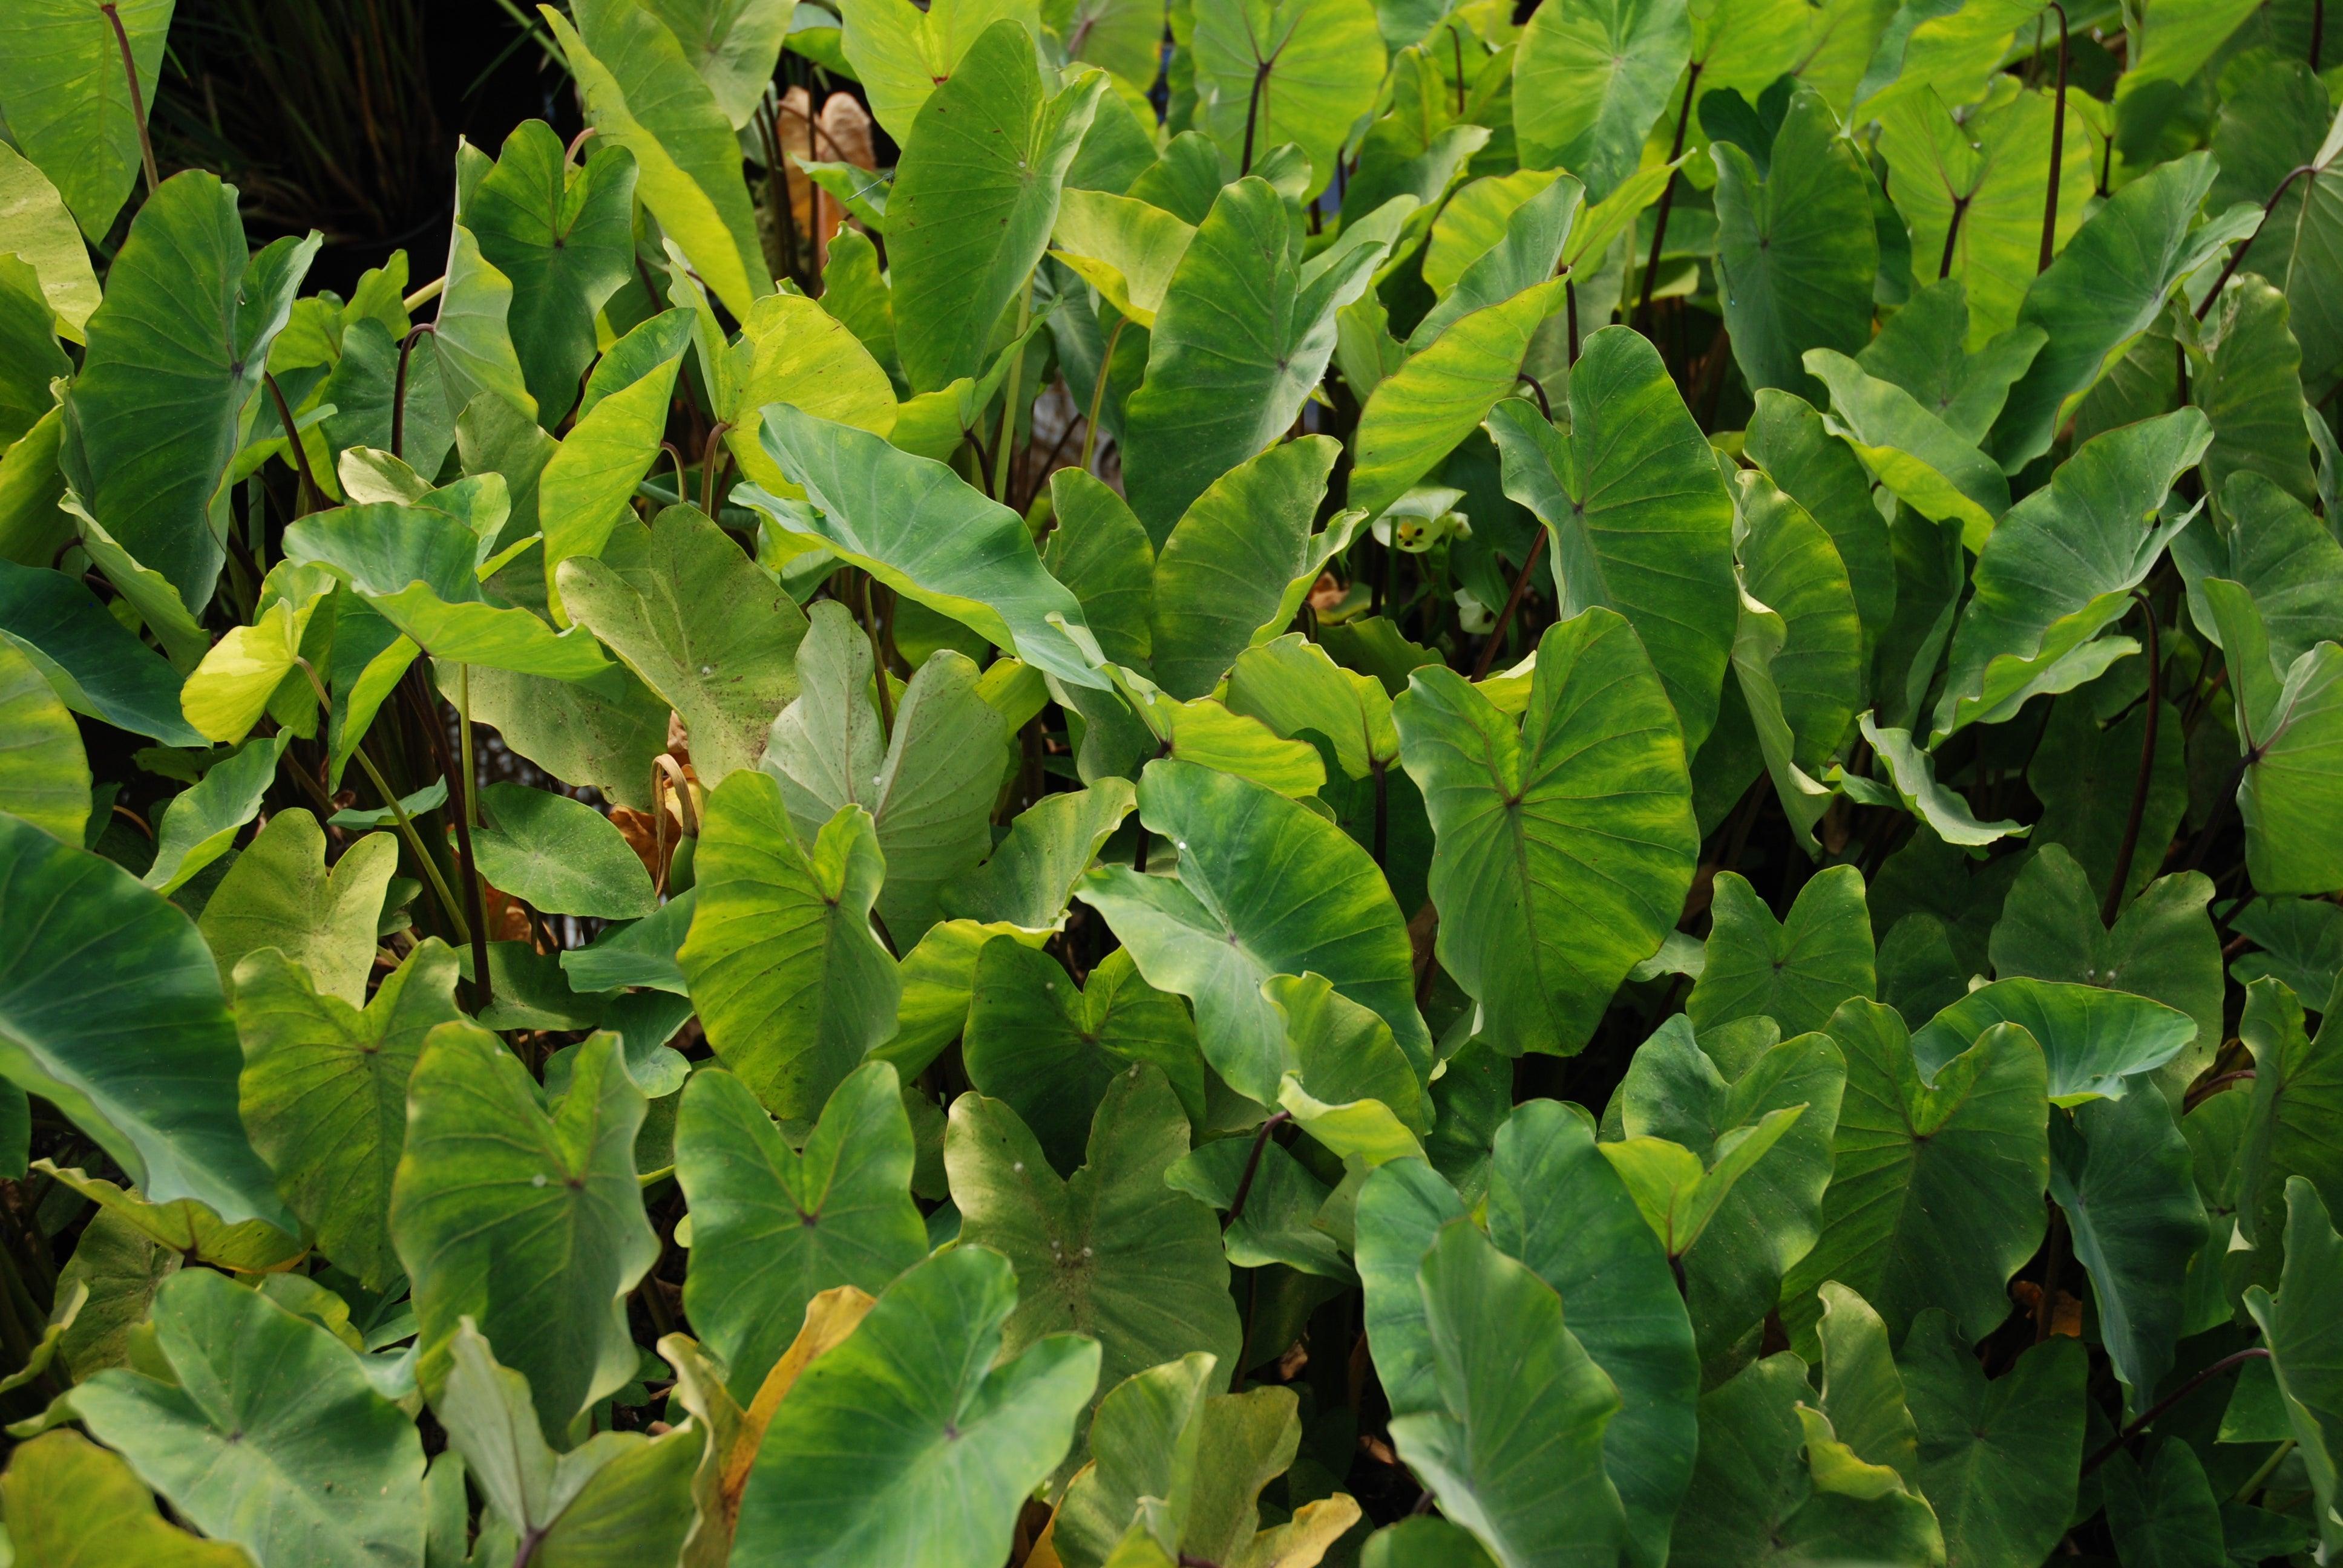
(1415, 785)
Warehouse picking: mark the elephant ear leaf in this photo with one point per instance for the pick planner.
(914, 1429)
(1911, 783)
(2297, 1087)
(1181, 1468)
(189, 1229)
(1564, 849)
(1721, 1103)
(153, 419)
(1143, 1444)
(773, 1227)
(45, 771)
(1419, 413)
(105, 991)
(1480, 215)
(618, 1497)
(1285, 1216)
(324, 1092)
(1918, 457)
(1205, 732)
(2060, 569)
(902, 54)
(2278, 552)
(1318, 64)
(1291, 685)
(1795, 971)
(1266, 887)
(1862, 1392)
(1513, 1382)
(1114, 1250)
(1936, 1193)
(1123, 247)
(929, 792)
(735, 49)
(585, 489)
(1969, 186)
(1032, 871)
(528, 1224)
(2094, 1039)
(1796, 251)
(642, 93)
(65, 1496)
(97, 667)
(271, 1434)
(704, 628)
(419, 569)
(782, 934)
(1680, 1192)
(469, 348)
(2282, 120)
(226, 694)
(2122, 1174)
(1924, 349)
(1535, 242)
(1350, 1085)
(1639, 518)
(1559, 1207)
(1222, 577)
(559, 854)
(1245, 1442)
(2288, 723)
(1051, 1048)
(1246, 330)
(1099, 549)
(925, 533)
(2164, 945)
(1998, 1460)
(1774, 1482)
(2168, 1515)
(66, 73)
(2296, 941)
(2105, 289)
(1590, 83)
(280, 893)
(2247, 377)
(566, 240)
(2302, 1336)
(794, 350)
(1797, 649)
(1403, 1207)
(1792, 443)
(975, 197)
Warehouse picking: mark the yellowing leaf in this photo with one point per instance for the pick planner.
(829, 1317)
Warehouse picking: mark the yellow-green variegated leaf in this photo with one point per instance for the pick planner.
(1419, 412)
(587, 484)
(44, 771)
(975, 197)
(642, 93)
(43, 235)
(902, 54)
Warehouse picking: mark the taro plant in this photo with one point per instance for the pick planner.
(1289, 782)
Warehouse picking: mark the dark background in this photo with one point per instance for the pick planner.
(343, 114)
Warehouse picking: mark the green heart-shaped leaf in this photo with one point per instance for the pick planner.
(528, 1224)
(772, 1227)
(271, 1433)
(1562, 850)
(907, 1443)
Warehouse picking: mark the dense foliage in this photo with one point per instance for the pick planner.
(1360, 781)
